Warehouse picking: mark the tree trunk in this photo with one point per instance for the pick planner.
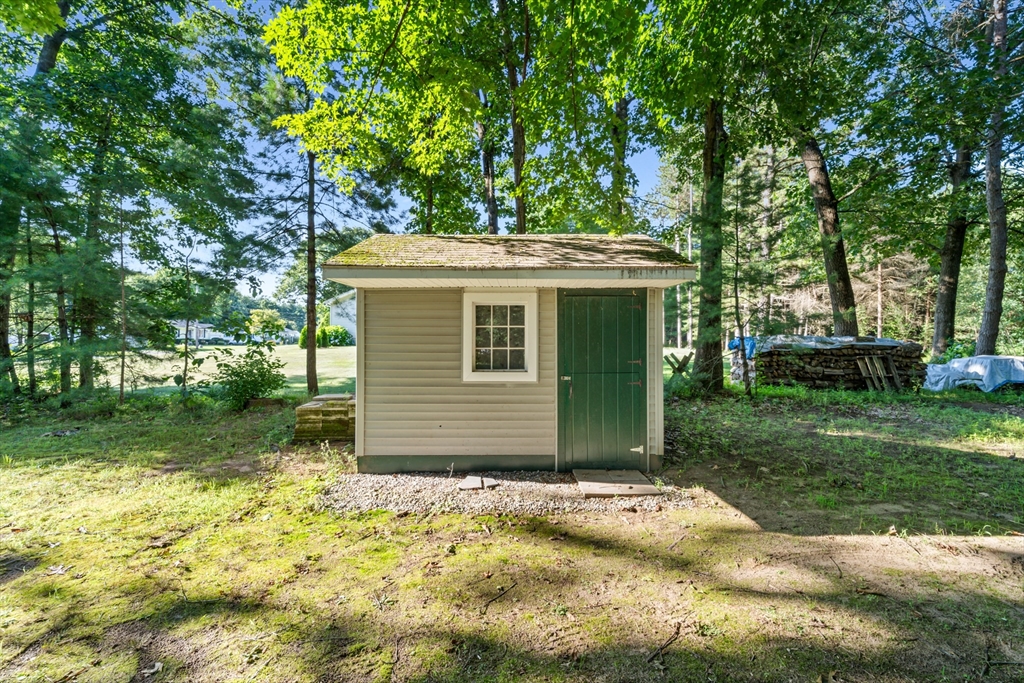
(708, 349)
(989, 331)
(620, 142)
(10, 225)
(689, 285)
(518, 153)
(64, 351)
(950, 258)
(487, 162)
(878, 302)
(740, 324)
(184, 367)
(11, 206)
(30, 322)
(767, 223)
(927, 313)
(312, 385)
(515, 78)
(53, 42)
(124, 319)
(429, 225)
(87, 304)
(679, 306)
(840, 289)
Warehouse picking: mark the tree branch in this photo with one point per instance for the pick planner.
(384, 56)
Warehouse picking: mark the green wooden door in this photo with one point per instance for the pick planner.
(602, 359)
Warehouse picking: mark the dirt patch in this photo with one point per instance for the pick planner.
(886, 509)
(157, 651)
(12, 566)
(993, 408)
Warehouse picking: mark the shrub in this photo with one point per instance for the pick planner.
(956, 349)
(327, 335)
(256, 374)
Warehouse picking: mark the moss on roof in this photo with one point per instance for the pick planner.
(508, 252)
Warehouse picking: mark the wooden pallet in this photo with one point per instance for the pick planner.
(880, 373)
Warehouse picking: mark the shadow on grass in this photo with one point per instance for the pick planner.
(207, 441)
(916, 632)
(344, 386)
(543, 631)
(13, 566)
(802, 472)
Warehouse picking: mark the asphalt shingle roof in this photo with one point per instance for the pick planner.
(509, 252)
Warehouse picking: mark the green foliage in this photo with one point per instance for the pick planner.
(38, 17)
(333, 335)
(327, 336)
(380, 106)
(292, 285)
(265, 322)
(255, 374)
(956, 349)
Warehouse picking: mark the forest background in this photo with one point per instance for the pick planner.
(837, 167)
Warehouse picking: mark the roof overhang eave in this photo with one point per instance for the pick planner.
(596, 278)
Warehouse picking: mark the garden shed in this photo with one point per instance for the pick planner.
(508, 352)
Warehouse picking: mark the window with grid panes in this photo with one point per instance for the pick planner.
(500, 337)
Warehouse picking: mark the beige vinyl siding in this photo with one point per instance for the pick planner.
(655, 374)
(360, 364)
(413, 398)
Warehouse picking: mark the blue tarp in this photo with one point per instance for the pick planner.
(988, 373)
(749, 342)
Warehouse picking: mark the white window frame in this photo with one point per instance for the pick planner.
(523, 297)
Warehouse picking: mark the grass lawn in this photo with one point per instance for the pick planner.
(861, 537)
(336, 369)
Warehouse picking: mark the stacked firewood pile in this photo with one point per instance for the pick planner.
(834, 362)
(736, 367)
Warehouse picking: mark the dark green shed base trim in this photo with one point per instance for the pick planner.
(391, 464)
(616, 465)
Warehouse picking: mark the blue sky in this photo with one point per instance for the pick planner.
(645, 165)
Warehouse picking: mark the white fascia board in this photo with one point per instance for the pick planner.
(344, 296)
(596, 278)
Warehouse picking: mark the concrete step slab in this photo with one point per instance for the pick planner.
(612, 483)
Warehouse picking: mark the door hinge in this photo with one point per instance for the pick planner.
(638, 383)
(638, 449)
(635, 362)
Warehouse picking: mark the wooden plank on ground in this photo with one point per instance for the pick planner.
(612, 483)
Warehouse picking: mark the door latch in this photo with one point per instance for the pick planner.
(567, 378)
(639, 361)
(638, 383)
(638, 449)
